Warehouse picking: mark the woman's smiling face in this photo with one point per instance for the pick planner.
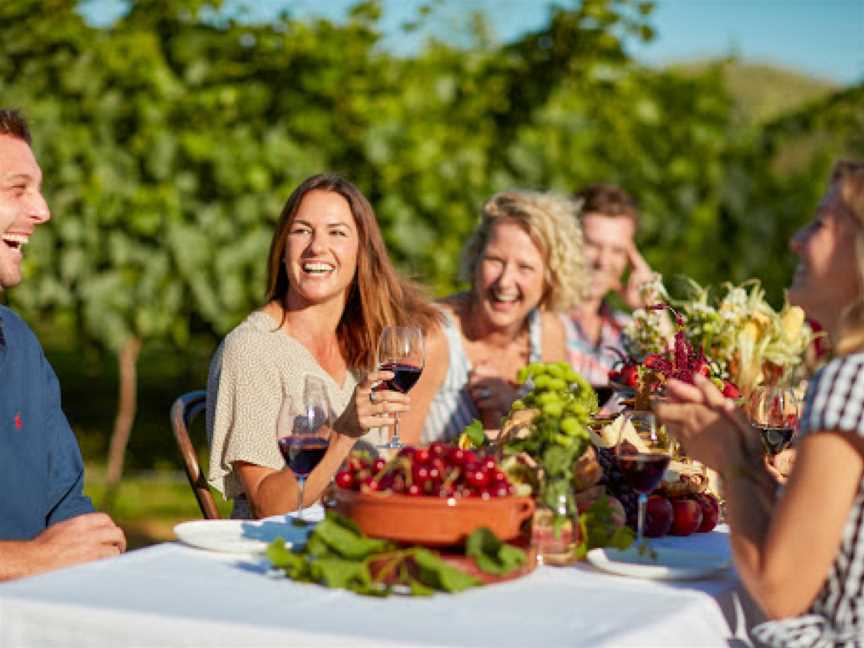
(321, 251)
(509, 280)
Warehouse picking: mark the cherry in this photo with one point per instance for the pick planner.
(438, 450)
(498, 476)
(414, 490)
(500, 491)
(456, 456)
(407, 451)
(489, 465)
(730, 390)
(469, 457)
(344, 479)
(440, 463)
(371, 484)
(378, 465)
(422, 456)
(477, 478)
(420, 473)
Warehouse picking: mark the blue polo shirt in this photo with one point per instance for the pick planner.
(41, 471)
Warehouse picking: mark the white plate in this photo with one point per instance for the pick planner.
(239, 536)
(665, 563)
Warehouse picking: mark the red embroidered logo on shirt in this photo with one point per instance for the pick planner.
(19, 422)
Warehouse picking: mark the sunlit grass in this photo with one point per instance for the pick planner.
(149, 504)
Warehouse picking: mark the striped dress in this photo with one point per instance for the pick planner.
(452, 408)
(834, 401)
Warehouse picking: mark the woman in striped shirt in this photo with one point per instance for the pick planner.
(802, 558)
(524, 262)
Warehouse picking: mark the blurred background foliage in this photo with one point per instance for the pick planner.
(171, 138)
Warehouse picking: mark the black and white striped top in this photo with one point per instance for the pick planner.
(834, 401)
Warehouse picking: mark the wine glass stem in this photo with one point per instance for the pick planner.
(395, 441)
(640, 520)
(301, 484)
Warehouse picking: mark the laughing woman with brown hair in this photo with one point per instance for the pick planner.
(331, 289)
(801, 558)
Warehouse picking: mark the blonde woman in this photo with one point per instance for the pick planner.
(524, 264)
(802, 558)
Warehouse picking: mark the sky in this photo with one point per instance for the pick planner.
(824, 38)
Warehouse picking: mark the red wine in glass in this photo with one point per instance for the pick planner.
(302, 454)
(775, 438)
(405, 376)
(642, 465)
(401, 350)
(643, 471)
(774, 412)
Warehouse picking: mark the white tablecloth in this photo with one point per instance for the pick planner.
(173, 595)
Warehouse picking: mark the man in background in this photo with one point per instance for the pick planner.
(46, 522)
(609, 223)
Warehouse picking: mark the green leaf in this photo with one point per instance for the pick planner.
(491, 554)
(342, 537)
(434, 572)
(476, 435)
(345, 574)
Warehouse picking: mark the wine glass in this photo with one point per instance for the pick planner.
(400, 350)
(642, 459)
(774, 411)
(304, 436)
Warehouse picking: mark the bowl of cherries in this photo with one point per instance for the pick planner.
(435, 495)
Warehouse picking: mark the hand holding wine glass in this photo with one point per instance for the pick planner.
(400, 351)
(774, 412)
(642, 460)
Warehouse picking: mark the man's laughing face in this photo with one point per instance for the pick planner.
(22, 206)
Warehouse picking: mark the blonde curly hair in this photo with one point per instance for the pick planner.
(552, 222)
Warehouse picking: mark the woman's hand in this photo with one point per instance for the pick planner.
(371, 407)
(492, 395)
(780, 465)
(708, 425)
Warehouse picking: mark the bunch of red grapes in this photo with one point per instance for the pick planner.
(439, 470)
(679, 515)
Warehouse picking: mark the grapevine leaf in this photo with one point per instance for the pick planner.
(491, 554)
(340, 536)
(434, 572)
(345, 574)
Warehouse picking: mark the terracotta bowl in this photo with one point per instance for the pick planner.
(433, 521)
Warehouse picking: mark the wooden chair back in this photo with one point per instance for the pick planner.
(183, 412)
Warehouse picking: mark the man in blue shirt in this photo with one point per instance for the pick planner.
(46, 522)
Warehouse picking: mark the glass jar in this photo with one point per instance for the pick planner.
(555, 543)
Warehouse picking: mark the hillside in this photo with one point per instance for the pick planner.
(764, 91)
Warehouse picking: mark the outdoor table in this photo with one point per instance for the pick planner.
(174, 595)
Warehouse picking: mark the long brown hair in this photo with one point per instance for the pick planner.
(848, 178)
(378, 296)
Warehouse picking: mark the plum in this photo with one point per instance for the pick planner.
(710, 511)
(688, 516)
(659, 516)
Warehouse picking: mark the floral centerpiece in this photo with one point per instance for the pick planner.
(742, 337)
